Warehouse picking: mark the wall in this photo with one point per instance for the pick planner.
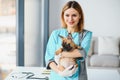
(101, 16)
(32, 32)
(36, 31)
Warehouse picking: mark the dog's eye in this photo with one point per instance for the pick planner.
(63, 43)
(69, 44)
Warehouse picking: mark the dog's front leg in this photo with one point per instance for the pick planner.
(59, 51)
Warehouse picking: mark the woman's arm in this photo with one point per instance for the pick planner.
(53, 66)
(73, 54)
(67, 72)
(50, 50)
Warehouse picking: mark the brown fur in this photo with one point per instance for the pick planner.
(67, 45)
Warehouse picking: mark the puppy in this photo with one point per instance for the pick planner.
(67, 45)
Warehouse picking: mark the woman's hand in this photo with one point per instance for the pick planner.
(68, 71)
(57, 58)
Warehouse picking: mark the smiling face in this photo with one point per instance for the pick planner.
(71, 18)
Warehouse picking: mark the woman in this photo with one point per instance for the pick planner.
(72, 22)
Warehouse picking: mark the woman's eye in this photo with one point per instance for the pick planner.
(74, 15)
(67, 15)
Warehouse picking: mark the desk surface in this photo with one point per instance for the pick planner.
(40, 73)
(29, 73)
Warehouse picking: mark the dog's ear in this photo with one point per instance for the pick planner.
(69, 36)
(60, 36)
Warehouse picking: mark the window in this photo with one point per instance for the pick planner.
(7, 37)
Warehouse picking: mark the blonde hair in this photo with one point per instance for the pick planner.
(77, 7)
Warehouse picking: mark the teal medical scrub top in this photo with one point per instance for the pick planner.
(54, 43)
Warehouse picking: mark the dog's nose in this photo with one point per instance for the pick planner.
(69, 47)
(66, 46)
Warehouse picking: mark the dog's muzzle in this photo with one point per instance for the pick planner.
(66, 47)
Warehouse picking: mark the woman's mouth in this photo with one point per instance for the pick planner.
(71, 23)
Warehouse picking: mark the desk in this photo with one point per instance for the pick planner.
(39, 73)
(29, 73)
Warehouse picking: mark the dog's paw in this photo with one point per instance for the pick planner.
(59, 51)
(79, 47)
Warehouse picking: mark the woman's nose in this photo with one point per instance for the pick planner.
(71, 18)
